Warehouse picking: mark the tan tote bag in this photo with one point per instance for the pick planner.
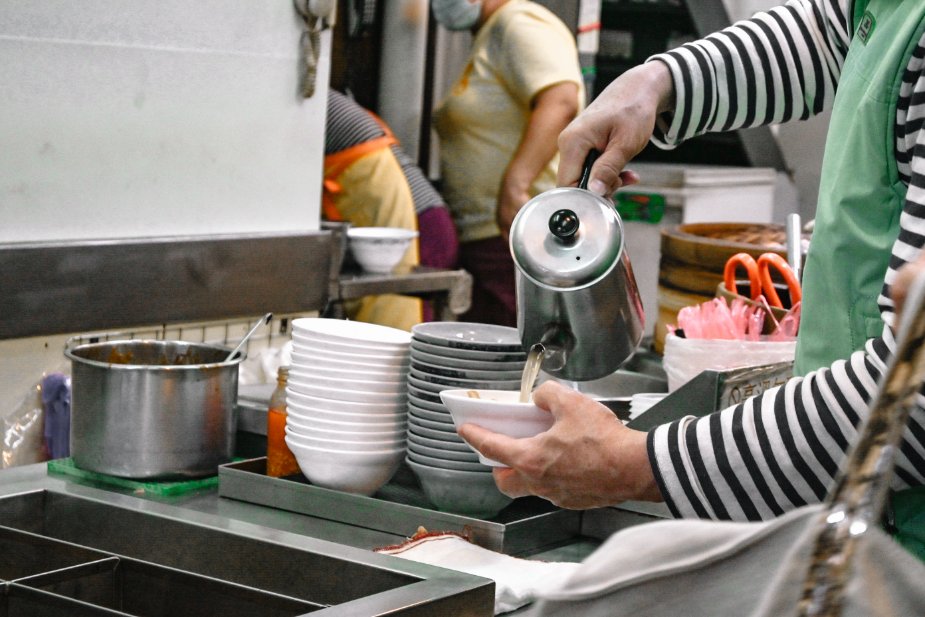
(830, 559)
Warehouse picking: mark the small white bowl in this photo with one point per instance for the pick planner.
(395, 364)
(352, 395)
(309, 403)
(347, 381)
(379, 249)
(325, 371)
(473, 493)
(355, 443)
(362, 473)
(497, 410)
(337, 422)
(346, 430)
(352, 332)
(358, 348)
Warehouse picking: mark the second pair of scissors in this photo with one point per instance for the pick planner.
(759, 277)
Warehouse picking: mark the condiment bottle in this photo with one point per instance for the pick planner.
(280, 461)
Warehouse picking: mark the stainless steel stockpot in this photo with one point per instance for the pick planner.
(147, 409)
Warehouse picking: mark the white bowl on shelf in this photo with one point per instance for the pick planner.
(380, 423)
(309, 342)
(310, 363)
(309, 403)
(392, 397)
(347, 431)
(352, 443)
(379, 249)
(347, 380)
(352, 332)
(473, 493)
(362, 473)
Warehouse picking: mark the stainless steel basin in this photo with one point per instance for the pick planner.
(94, 558)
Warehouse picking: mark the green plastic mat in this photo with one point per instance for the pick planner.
(66, 467)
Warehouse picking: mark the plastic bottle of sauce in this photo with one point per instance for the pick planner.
(280, 461)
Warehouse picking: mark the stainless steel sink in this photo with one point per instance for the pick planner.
(61, 554)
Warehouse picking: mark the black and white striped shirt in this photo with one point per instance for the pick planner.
(349, 124)
(782, 449)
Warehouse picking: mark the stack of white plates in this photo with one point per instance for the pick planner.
(450, 355)
(347, 402)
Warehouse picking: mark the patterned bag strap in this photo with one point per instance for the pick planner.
(862, 486)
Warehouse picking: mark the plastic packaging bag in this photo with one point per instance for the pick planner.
(685, 358)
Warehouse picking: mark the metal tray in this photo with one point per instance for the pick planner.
(400, 507)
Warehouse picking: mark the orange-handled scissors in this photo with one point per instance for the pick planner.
(759, 277)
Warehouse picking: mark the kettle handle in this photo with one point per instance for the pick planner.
(586, 169)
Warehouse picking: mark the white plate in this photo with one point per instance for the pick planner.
(468, 354)
(439, 453)
(347, 361)
(459, 373)
(429, 461)
(430, 396)
(421, 403)
(452, 361)
(433, 416)
(415, 428)
(476, 384)
(439, 443)
(469, 335)
(450, 429)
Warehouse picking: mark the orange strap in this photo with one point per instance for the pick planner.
(335, 164)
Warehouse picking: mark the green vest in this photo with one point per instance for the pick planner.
(860, 194)
(860, 201)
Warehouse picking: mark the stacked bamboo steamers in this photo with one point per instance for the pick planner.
(451, 355)
(347, 402)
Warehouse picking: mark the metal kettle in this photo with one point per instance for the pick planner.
(576, 293)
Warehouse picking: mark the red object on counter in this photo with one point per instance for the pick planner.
(280, 460)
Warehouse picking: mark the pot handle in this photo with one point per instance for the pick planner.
(586, 169)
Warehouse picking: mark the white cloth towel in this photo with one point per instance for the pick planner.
(517, 581)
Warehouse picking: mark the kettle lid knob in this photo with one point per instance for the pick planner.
(564, 224)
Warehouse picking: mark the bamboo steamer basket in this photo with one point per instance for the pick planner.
(693, 256)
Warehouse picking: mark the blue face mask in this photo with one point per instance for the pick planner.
(456, 14)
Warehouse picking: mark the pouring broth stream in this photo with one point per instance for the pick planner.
(531, 371)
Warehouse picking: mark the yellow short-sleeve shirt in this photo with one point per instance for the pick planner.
(522, 49)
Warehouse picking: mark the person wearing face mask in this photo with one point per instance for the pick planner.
(498, 128)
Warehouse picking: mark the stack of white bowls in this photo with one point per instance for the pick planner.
(347, 401)
(451, 355)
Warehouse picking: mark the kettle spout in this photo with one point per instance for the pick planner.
(558, 343)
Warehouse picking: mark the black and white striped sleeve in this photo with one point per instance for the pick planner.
(781, 450)
(780, 65)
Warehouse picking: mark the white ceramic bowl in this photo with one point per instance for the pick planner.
(307, 362)
(355, 443)
(379, 249)
(336, 422)
(347, 380)
(352, 332)
(393, 397)
(473, 493)
(324, 371)
(309, 342)
(362, 473)
(307, 404)
(497, 410)
(356, 431)
(315, 357)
